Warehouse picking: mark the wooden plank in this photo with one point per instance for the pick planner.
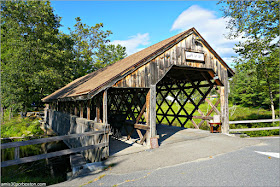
(105, 108)
(203, 117)
(255, 121)
(254, 129)
(50, 155)
(50, 139)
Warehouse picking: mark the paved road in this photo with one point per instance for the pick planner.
(248, 166)
(244, 167)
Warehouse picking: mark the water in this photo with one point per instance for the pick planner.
(49, 171)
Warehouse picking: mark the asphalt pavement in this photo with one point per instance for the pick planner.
(211, 160)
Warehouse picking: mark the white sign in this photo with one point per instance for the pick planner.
(195, 56)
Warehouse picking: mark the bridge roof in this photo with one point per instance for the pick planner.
(102, 78)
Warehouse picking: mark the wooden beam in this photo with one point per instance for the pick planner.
(153, 113)
(194, 124)
(203, 117)
(81, 109)
(216, 80)
(50, 155)
(50, 139)
(255, 121)
(98, 110)
(105, 108)
(16, 153)
(254, 129)
(224, 106)
(141, 113)
(141, 126)
(148, 108)
(76, 109)
(206, 78)
(213, 106)
(88, 109)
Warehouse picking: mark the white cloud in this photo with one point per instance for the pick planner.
(134, 43)
(212, 28)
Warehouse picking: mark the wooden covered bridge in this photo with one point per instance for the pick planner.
(135, 89)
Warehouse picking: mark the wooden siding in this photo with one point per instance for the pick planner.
(152, 72)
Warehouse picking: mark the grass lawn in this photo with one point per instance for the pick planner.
(235, 113)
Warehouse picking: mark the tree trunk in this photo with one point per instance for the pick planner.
(271, 103)
(270, 95)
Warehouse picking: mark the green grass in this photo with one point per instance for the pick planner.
(204, 107)
(235, 113)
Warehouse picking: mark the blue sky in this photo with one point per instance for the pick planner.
(139, 24)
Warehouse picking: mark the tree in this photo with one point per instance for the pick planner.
(109, 54)
(34, 55)
(257, 22)
(92, 50)
(37, 59)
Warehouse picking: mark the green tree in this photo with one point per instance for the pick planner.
(88, 41)
(37, 59)
(92, 50)
(257, 22)
(34, 56)
(109, 54)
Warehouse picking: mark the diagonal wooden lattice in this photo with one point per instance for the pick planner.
(182, 115)
(131, 104)
(213, 109)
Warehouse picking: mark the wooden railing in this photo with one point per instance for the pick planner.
(17, 145)
(254, 121)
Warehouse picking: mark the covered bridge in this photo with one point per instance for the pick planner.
(136, 89)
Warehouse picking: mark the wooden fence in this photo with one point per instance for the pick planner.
(254, 121)
(17, 145)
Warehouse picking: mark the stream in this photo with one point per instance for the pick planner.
(50, 171)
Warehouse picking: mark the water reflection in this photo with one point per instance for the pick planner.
(50, 171)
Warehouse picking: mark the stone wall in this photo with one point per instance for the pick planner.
(64, 124)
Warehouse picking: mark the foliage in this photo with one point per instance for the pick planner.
(33, 53)
(18, 127)
(37, 59)
(109, 54)
(257, 66)
(91, 51)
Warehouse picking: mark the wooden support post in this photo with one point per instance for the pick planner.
(224, 106)
(47, 106)
(147, 117)
(105, 119)
(98, 110)
(88, 109)
(153, 110)
(81, 110)
(16, 153)
(76, 109)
